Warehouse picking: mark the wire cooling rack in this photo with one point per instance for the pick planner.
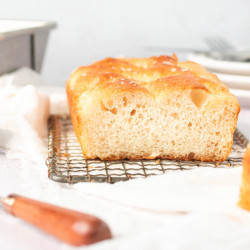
(66, 163)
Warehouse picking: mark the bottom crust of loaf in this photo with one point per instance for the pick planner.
(120, 158)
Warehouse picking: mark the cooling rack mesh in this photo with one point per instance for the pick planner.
(66, 163)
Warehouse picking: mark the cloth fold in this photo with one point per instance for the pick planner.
(24, 111)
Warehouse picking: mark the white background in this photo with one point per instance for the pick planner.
(92, 30)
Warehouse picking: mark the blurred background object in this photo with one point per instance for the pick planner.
(91, 30)
(225, 50)
(23, 44)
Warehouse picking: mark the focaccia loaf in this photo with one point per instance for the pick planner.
(151, 108)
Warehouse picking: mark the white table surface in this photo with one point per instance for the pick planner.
(15, 234)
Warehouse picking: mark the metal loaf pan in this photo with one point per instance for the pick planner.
(23, 44)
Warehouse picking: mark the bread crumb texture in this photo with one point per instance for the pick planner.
(147, 108)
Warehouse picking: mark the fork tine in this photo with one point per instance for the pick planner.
(218, 43)
(212, 44)
(225, 42)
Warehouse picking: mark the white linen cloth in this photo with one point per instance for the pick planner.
(183, 210)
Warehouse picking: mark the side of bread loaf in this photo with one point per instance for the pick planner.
(245, 186)
(151, 108)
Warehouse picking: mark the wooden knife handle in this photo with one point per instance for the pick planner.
(67, 225)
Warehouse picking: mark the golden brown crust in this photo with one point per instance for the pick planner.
(154, 76)
(142, 72)
(245, 186)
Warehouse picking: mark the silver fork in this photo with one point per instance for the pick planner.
(219, 43)
(222, 49)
